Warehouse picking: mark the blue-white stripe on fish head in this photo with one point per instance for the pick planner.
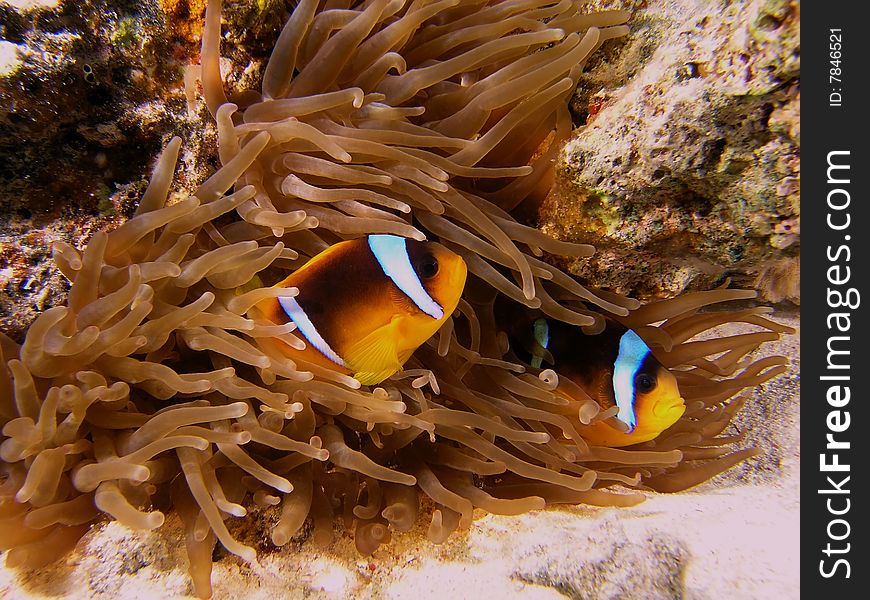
(391, 252)
(541, 330)
(308, 330)
(632, 352)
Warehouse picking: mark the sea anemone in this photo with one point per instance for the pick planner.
(148, 391)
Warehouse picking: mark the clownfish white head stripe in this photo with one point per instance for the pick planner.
(391, 253)
(632, 352)
(307, 329)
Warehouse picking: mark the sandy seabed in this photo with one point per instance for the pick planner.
(734, 537)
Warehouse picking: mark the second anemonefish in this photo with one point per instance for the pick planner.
(615, 368)
(365, 305)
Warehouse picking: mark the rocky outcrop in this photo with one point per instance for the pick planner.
(687, 168)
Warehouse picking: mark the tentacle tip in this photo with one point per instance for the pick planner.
(155, 520)
(249, 555)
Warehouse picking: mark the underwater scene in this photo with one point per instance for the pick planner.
(399, 298)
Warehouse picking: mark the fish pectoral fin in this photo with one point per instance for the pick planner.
(372, 377)
(374, 358)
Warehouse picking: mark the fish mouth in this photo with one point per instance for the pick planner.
(669, 407)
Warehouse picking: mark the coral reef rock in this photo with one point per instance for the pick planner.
(89, 94)
(686, 170)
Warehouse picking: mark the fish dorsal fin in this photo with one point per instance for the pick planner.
(316, 261)
(374, 358)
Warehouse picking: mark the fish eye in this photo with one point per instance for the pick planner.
(428, 267)
(644, 383)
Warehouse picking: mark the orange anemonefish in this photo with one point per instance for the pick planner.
(364, 305)
(615, 368)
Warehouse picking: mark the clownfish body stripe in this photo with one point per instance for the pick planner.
(391, 252)
(632, 352)
(542, 337)
(308, 330)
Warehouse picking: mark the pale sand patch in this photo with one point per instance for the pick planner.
(10, 57)
(25, 5)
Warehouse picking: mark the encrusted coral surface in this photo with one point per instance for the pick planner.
(687, 170)
(89, 94)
